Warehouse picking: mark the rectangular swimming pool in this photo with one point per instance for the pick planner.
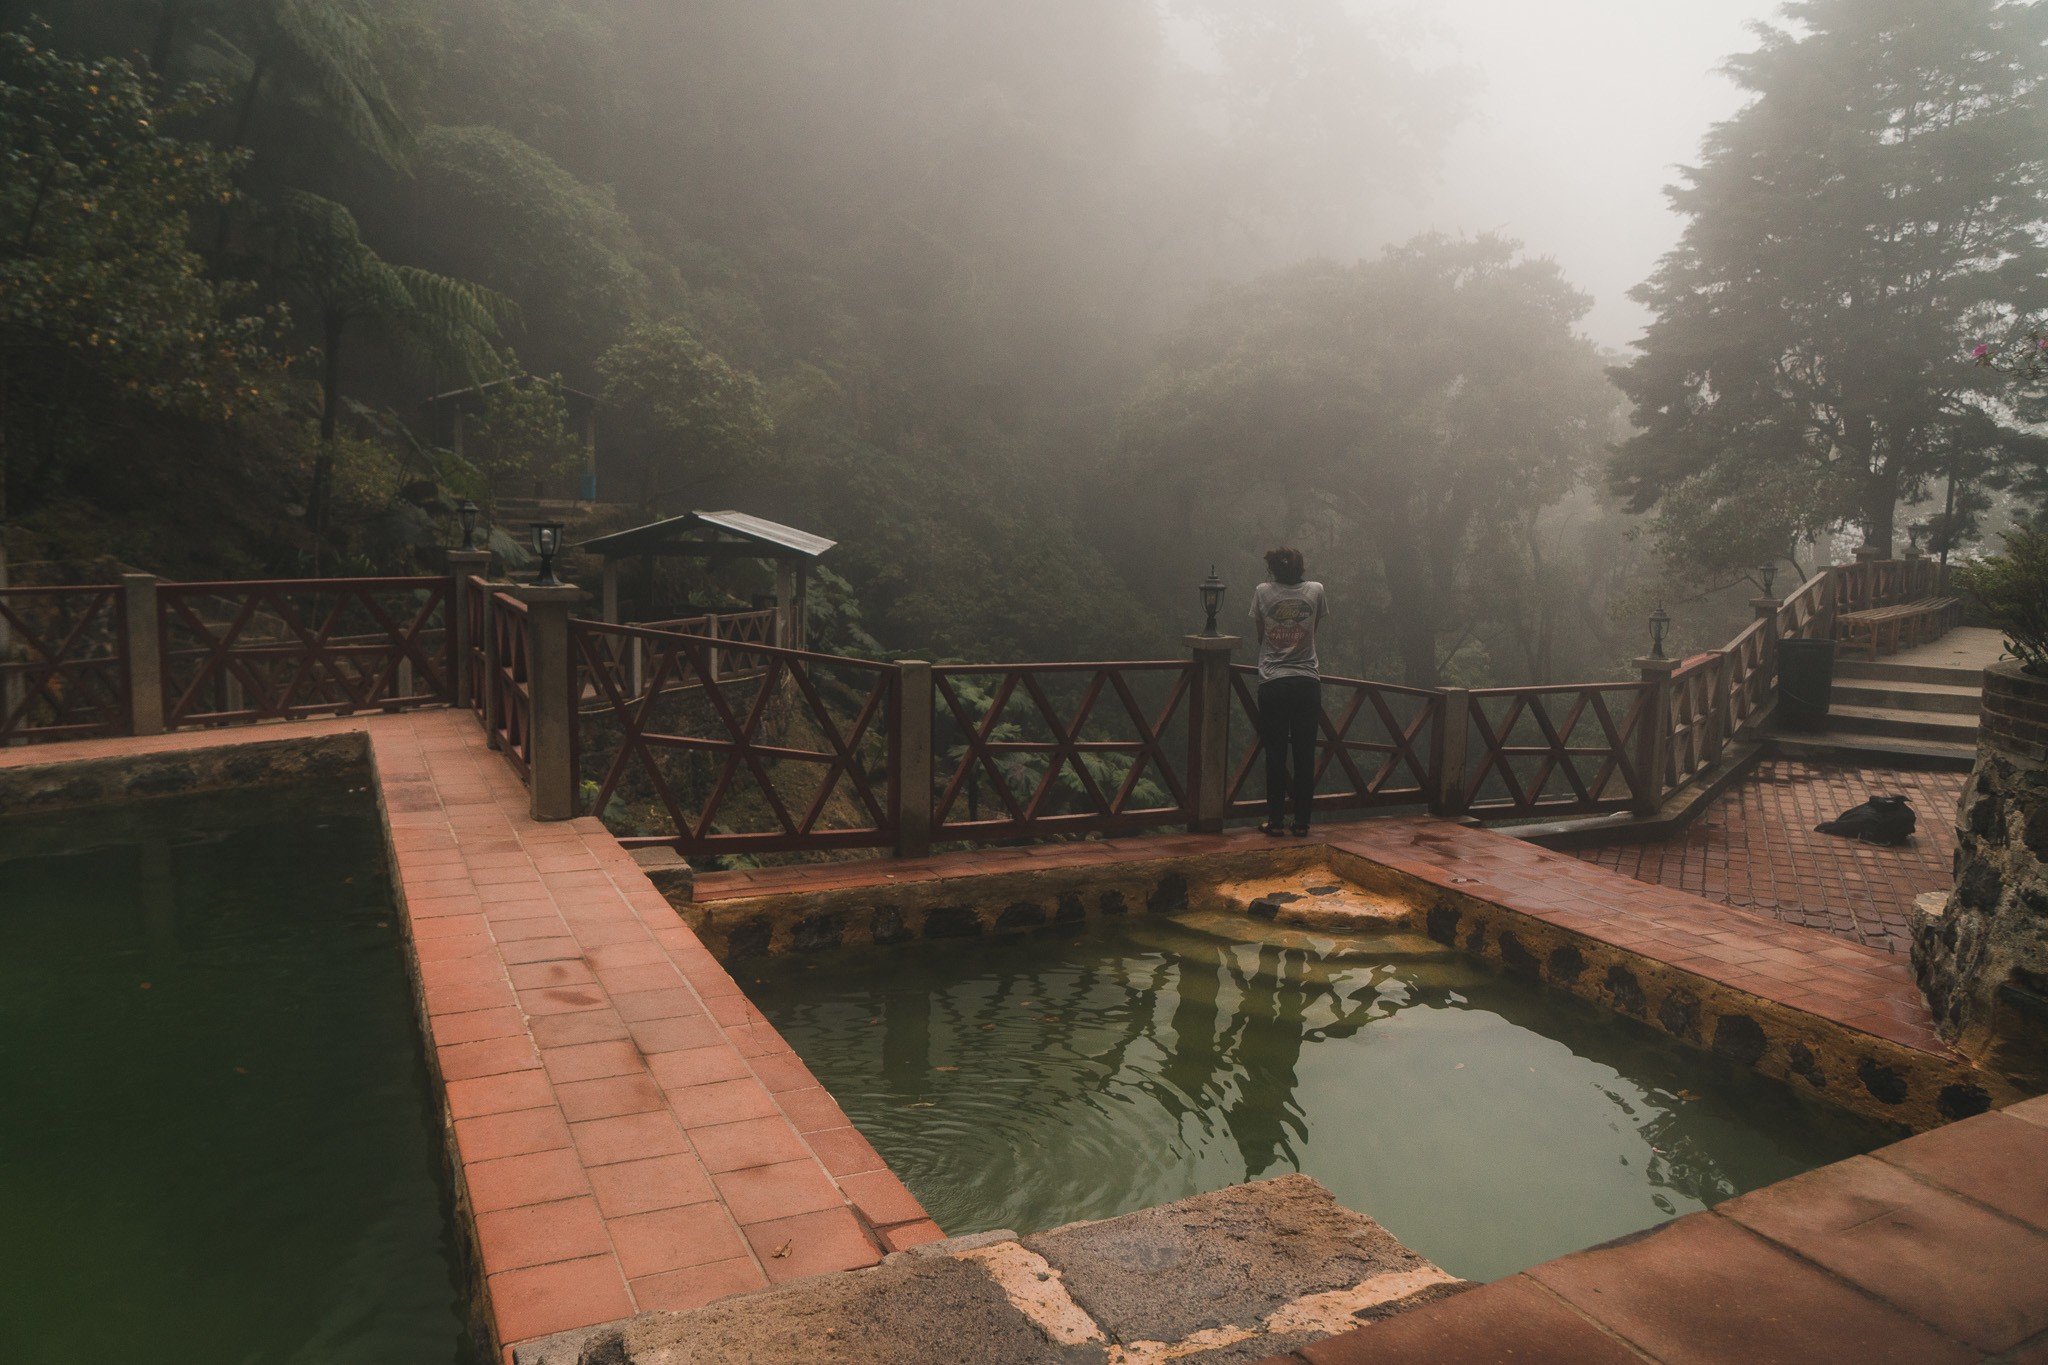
(1487, 1121)
(217, 1137)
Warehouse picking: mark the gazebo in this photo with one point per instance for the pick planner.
(716, 538)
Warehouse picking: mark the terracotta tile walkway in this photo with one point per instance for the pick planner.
(1755, 848)
(1933, 1250)
(632, 1133)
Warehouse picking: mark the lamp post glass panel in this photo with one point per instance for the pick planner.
(1660, 622)
(466, 510)
(1770, 575)
(547, 543)
(1212, 600)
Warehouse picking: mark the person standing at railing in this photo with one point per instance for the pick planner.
(1286, 614)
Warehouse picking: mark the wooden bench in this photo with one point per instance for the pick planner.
(1877, 631)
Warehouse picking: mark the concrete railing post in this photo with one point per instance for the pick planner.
(1653, 735)
(1447, 756)
(1208, 774)
(551, 734)
(144, 648)
(462, 566)
(912, 790)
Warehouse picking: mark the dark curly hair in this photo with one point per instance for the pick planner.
(1285, 566)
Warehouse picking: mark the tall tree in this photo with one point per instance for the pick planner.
(1879, 203)
(1415, 404)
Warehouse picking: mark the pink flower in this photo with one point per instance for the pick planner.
(1981, 351)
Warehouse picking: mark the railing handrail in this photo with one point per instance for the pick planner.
(737, 646)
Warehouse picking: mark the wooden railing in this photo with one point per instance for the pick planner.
(63, 672)
(1373, 749)
(797, 753)
(510, 702)
(1554, 751)
(278, 649)
(1024, 750)
(1699, 702)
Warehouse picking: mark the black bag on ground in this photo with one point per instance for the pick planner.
(1880, 820)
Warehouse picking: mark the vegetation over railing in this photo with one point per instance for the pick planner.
(1027, 749)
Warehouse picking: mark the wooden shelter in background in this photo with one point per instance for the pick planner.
(716, 538)
(449, 415)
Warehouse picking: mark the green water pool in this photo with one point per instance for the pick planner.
(216, 1143)
(1488, 1122)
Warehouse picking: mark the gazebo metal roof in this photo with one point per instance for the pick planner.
(719, 533)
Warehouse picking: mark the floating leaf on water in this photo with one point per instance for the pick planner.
(945, 1068)
(1459, 1067)
(921, 1104)
(145, 985)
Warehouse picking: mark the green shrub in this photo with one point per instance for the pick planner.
(2013, 588)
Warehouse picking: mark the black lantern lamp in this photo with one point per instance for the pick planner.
(547, 543)
(1212, 600)
(1770, 575)
(467, 510)
(1660, 622)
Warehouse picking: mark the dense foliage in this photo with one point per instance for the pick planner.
(1851, 232)
(2013, 590)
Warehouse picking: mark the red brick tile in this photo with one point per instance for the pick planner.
(812, 1109)
(678, 1291)
(1995, 1159)
(703, 1106)
(528, 950)
(1510, 1320)
(514, 1181)
(561, 1000)
(1969, 1272)
(815, 1243)
(698, 1066)
(592, 1061)
(881, 1196)
(448, 926)
(660, 1182)
(546, 1299)
(844, 1151)
(538, 1234)
(759, 1193)
(582, 1026)
(652, 976)
(904, 1236)
(500, 1094)
(675, 1238)
(552, 972)
(477, 1025)
(447, 947)
(783, 1071)
(610, 1096)
(676, 1034)
(749, 1142)
(465, 999)
(628, 1137)
(644, 1005)
(490, 1057)
(511, 1134)
(1703, 1289)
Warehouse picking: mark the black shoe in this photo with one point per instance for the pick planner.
(1300, 831)
(1271, 831)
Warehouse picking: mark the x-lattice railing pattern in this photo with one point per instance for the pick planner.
(510, 705)
(1024, 749)
(277, 649)
(1698, 722)
(62, 672)
(804, 741)
(1582, 737)
(1374, 746)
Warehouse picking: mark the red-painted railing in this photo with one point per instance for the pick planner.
(281, 649)
(1554, 751)
(1374, 747)
(63, 673)
(797, 752)
(1023, 750)
(510, 703)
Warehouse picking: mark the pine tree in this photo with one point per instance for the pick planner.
(1875, 208)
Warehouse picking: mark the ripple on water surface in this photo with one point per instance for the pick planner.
(1488, 1122)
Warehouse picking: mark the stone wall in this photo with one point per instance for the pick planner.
(1983, 957)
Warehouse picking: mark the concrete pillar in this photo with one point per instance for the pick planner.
(1447, 753)
(1653, 735)
(144, 648)
(463, 565)
(1208, 774)
(911, 788)
(551, 739)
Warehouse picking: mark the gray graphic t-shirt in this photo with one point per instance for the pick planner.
(1284, 619)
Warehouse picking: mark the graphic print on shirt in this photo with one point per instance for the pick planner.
(1289, 626)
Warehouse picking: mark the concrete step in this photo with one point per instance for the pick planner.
(1842, 747)
(1908, 696)
(1929, 725)
(1881, 670)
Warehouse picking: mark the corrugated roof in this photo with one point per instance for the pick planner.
(654, 537)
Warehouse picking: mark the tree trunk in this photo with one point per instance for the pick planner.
(245, 116)
(330, 421)
(1881, 505)
(169, 14)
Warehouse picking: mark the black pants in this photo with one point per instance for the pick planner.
(1289, 709)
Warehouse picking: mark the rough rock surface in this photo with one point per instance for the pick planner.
(1234, 1276)
(1982, 957)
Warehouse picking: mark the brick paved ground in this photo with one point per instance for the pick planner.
(1755, 848)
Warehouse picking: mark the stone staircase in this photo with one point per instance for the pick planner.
(1916, 709)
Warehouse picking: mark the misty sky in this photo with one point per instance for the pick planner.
(1585, 107)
